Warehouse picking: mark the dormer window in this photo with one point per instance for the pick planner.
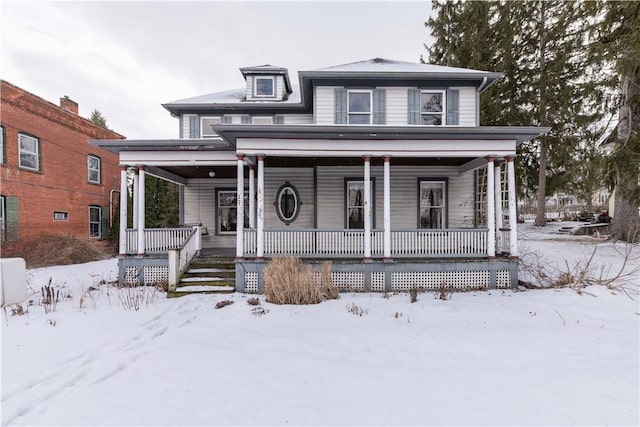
(264, 86)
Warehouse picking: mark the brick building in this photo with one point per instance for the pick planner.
(52, 180)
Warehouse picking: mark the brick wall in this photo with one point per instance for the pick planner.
(62, 183)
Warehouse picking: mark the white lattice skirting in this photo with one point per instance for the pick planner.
(151, 274)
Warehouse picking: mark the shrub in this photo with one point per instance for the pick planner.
(287, 281)
(59, 249)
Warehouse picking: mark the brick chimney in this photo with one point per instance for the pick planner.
(69, 105)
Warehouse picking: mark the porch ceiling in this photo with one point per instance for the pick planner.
(309, 162)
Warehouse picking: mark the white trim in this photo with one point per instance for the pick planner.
(90, 169)
(367, 208)
(491, 215)
(35, 153)
(141, 211)
(267, 122)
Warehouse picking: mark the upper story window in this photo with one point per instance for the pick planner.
(93, 167)
(264, 86)
(29, 152)
(206, 126)
(432, 108)
(359, 107)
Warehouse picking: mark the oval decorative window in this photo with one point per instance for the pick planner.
(287, 203)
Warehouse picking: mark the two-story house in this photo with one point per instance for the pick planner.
(380, 166)
(52, 180)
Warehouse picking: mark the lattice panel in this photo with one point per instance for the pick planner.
(155, 274)
(404, 281)
(377, 281)
(503, 279)
(348, 280)
(251, 281)
(131, 276)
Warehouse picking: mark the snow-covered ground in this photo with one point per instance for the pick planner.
(532, 357)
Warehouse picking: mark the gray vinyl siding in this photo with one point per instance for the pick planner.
(404, 195)
(185, 126)
(396, 106)
(298, 119)
(302, 179)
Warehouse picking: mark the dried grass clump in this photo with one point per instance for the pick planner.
(62, 249)
(288, 281)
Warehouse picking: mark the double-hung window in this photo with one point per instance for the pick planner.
(432, 199)
(359, 107)
(206, 126)
(2, 219)
(264, 86)
(94, 166)
(354, 203)
(29, 152)
(432, 112)
(95, 221)
(1, 145)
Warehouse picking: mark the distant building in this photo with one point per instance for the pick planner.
(52, 180)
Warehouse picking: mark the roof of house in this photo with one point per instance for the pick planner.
(385, 71)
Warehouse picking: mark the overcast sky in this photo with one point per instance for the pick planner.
(127, 58)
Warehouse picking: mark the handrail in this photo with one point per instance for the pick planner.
(179, 258)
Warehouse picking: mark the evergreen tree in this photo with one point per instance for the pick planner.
(161, 203)
(98, 119)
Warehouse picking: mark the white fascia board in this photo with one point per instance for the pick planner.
(178, 158)
(357, 148)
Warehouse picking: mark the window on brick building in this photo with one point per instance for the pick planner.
(95, 221)
(29, 150)
(93, 166)
(1, 144)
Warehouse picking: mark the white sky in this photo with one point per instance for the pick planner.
(127, 58)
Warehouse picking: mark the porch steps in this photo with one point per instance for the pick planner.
(207, 275)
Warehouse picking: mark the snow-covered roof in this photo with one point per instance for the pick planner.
(394, 66)
(233, 96)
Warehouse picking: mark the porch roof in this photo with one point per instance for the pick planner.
(121, 145)
(519, 134)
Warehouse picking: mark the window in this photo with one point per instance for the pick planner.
(354, 203)
(264, 86)
(29, 150)
(287, 203)
(227, 211)
(2, 219)
(262, 120)
(432, 198)
(60, 216)
(93, 166)
(95, 221)
(1, 144)
(207, 124)
(432, 108)
(359, 107)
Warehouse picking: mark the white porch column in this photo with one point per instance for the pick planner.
(491, 204)
(240, 208)
(513, 220)
(135, 198)
(367, 207)
(252, 197)
(260, 224)
(498, 194)
(497, 178)
(387, 210)
(122, 247)
(141, 210)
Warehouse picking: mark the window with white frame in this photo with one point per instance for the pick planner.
(432, 199)
(227, 211)
(93, 167)
(359, 107)
(207, 124)
(29, 152)
(354, 203)
(264, 86)
(2, 219)
(60, 216)
(95, 221)
(432, 111)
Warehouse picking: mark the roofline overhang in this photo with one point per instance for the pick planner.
(341, 132)
(209, 144)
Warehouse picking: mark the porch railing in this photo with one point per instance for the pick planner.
(503, 241)
(180, 258)
(157, 240)
(458, 243)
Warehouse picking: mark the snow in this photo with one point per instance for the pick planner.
(392, 65)
(531, 357)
